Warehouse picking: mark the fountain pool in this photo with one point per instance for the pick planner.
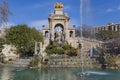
(10, 73)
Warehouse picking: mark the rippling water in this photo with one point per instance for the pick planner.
(8, 73)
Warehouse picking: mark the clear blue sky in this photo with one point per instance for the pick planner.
(36, 12)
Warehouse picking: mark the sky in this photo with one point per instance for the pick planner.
(35, 13)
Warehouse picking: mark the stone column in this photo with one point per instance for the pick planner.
(66, 29)
(116, 28)
(41, 50)
(74, 34)
(52, 30)
(35, 50)
(112, 27)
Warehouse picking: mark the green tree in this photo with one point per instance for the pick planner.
(23, 38)
(106, 35)
(2, 42)
(63, 49)
(68, 49)
(54, 49)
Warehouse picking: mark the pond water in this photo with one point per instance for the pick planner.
(10, 73)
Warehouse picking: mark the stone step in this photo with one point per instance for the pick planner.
(69, 62)
(21, 62)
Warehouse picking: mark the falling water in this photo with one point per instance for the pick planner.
(81, 34)
(89, 21)
(88, 12)
(87, 18)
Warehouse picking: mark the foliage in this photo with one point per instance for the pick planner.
(4, 12)
(2, 41)
(101, 60)
(111, 47)
(111, 60)
(35, 61)
(66, 46)
(107, 60)
(68, 49)
(23, 38)
(106, 35)
(54, 49)
(63, 49)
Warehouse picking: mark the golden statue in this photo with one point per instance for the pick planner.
(58, 5)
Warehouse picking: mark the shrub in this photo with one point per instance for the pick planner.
(35, 61)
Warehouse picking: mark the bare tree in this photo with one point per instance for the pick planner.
(86, 31)
(4, 12)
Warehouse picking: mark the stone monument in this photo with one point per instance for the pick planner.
(59, 20)
(64, 33)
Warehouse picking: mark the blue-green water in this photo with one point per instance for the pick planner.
(8, 73)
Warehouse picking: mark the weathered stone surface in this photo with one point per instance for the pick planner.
(9, 53)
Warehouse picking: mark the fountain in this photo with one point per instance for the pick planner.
(56, 74)
(83, 73)
(8, 73)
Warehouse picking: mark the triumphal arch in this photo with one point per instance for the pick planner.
(58, 29)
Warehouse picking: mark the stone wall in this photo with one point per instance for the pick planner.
(76, 61)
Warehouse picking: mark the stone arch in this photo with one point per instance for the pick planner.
(71, 34)
(59, 32)
(59, 25)
(47, 34)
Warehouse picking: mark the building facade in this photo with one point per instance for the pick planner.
(110, 26)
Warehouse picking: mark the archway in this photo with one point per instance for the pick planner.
(71, 34)
(58, 28)
(46, 34)
(59, 35)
